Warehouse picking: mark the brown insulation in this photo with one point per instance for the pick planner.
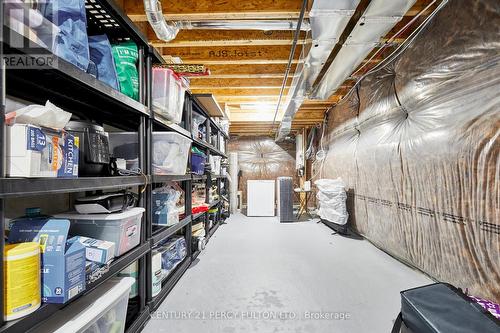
(418, 145)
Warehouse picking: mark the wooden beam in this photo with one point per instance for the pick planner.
(200, 37)
(418, 7)
(237, 92)
(235, 55)
(197, 83)
(247, 99)
(242, 76)
(259, 69)
(195, 10)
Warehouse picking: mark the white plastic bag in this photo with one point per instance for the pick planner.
(47, 115)
(332, 200)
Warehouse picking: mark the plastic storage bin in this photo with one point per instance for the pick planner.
(103, 310)
(198, 163)
(170, 151)
(168, 94)
(124, 229)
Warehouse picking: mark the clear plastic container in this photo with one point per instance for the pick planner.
(168, 94)
(103, 310)
(123, 229)
(170, 153)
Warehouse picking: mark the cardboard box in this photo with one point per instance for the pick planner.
(96, 250)
(34, 151)
(63, 263)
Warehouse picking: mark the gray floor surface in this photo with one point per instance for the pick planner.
(257, 275)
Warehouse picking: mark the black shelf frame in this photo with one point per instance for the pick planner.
(169, 283)
(167, 232)
(21, 187)
(88, 98)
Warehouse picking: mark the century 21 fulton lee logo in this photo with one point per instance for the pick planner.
(30, 37)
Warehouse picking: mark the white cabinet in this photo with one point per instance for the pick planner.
(260, 198)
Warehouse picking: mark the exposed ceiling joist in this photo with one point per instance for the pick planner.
(259, 69)
(209, 82)
(194, 38)
(195, 10)
(256, 91)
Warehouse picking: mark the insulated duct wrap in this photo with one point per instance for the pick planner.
(262, 158)
(233, 186)
(417, 144)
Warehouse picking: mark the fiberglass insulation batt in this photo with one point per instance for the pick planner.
(417, 144)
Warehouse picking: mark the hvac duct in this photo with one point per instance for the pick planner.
(162, 29)
(327, 19)
(168, 31)
(264, 25)
(327, 24)
(377, 20)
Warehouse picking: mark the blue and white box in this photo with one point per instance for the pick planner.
(96, 250)
(33, 151)
(63, 263)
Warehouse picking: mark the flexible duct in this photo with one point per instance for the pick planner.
(163, 30)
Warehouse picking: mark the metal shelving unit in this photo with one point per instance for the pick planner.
(88, 98)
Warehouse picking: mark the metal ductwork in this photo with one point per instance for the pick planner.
(168, 31)
(264, 25)
(328, 21)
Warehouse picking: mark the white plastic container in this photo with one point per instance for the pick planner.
(124, 229)
(168, 94)
(103, 310)
(170, 151)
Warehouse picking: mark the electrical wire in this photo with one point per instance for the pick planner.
(400, 49)
(321, 154)
(290, 59)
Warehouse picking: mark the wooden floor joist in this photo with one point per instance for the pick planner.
(194, 10)
(248, 66)
(208, 83)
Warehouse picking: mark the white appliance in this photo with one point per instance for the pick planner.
(260, 197)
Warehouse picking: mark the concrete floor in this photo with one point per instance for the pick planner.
(257, 275)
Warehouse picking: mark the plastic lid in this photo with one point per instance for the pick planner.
(103, 217)
(21, 248)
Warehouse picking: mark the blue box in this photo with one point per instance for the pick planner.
(63, 263)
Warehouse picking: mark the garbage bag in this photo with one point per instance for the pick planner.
(332, 200)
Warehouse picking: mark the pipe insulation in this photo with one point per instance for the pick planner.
(233, 182)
